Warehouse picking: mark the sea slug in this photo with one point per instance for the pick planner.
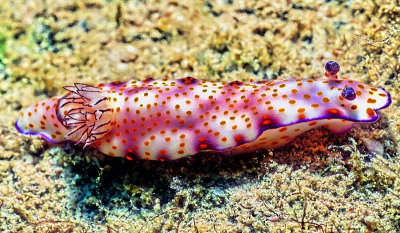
(170, 119)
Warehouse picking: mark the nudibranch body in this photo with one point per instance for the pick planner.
(170, 119)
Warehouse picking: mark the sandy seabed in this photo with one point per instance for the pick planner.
(321, 182)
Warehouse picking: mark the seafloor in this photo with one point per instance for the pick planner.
(319, 183)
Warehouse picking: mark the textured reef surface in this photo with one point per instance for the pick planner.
(321, 182)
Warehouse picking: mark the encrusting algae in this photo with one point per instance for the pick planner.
(321, 182)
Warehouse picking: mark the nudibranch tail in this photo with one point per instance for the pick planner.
(82, 115)
(86, 113)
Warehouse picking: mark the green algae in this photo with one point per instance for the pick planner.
(3, 52)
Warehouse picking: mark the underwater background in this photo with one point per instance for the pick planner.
(321, 182)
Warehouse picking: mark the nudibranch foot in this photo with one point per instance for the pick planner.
(170, 119)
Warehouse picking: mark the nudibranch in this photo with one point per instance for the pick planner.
(170, 119)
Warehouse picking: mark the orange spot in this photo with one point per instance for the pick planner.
(283, 129)
(292, 101)
(353, 107)
(333, 111)
(281, 110)
(134, 138)
(202, 139)
(182, 136)
(371, 101)
(238, 138)
(110, 154)
(319, 93)
(162, 151)
(29, 114)
(312, 123)
(234, 127)
(358, 93)
(301, 116)
(182, 144)
(203, 146)
(167, 139)
(114, 147)
(117, 134)
(315, 105)
(152, 137)
(306, 96)
(266, 122)
(301, 110)
(370, 112)
(223, 139)
(180, 152)
(124, 141)
(31, 125)
(325, 99)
